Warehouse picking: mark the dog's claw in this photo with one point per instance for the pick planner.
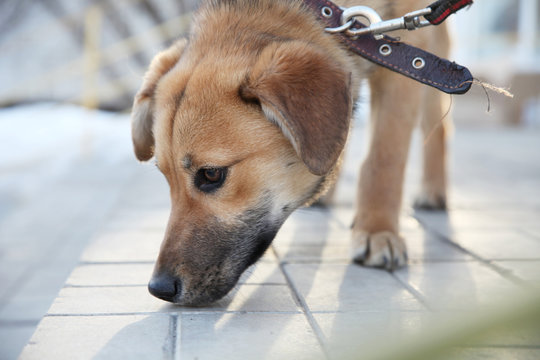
(384, 250)
(430, 202)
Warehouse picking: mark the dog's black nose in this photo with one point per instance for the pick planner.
(164, 286)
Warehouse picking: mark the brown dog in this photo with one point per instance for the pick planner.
(248, 120)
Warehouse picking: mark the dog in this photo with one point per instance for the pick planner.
(248, 119)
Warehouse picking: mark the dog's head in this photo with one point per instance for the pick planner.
(243, 141)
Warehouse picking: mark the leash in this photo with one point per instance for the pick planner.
(371, 43)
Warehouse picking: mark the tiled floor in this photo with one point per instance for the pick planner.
(304, 299)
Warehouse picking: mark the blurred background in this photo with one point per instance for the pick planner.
(93, 53)
(68, 73)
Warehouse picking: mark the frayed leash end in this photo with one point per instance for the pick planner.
(496, 89)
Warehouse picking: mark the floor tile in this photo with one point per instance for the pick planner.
(13, 338)
(313, 234)
(499, 244)
(247, 336)
(313, 253)
(139, 219)
(518, 217)
(338, 287)
(122, 274)
(263, 273)
(124, 246)
(31, 299)
(363, 332)
(26, 308)
(447, 223)
(457, 285)
(137, 299)
(423, 245)
(102, 337)
(527, 270)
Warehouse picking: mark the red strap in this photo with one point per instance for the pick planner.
(442, 9)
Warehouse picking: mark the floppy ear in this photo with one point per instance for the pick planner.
(142, 112)
(307, 94)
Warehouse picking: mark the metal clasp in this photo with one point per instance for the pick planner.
(377, 26)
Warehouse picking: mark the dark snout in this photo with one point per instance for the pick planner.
(165, 286)
(199, 265)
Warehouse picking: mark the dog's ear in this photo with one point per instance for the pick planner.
(142, 112)
(306, 93)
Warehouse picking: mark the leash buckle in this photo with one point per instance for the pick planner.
(377, 26)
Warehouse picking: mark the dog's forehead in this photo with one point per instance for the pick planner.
(201, 114)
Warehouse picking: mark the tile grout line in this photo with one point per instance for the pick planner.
(488, 263)
(173, 337)
(417, 295)
(303, 305)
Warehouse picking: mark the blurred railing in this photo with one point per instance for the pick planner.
(92, 53)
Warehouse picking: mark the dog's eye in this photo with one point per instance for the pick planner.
(210, 179)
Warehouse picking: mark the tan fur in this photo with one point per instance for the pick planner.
(260, 90)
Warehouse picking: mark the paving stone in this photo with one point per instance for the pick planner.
(124, 246)
(316, 236)
(263, 272)
(314, 254)
(137, 299)
(516, 217)
(448, 223)
(139, 218)
(122, 274)
(321, 230)
(13, 337)
(360, 332)
(499, 245)
(423, 245)
(528, 270)
(247, 336)
(102, 337)
(33, 296)
(338, 287)
(457, 285)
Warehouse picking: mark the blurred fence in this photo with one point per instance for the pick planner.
(94, 52)
(91, 52)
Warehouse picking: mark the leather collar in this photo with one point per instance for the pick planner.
(397, 56)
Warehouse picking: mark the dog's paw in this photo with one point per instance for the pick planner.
(430, 201)
(383, 249)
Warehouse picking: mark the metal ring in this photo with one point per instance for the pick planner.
(341, 28)
(327, 12)
(418, 63)
(366, 12)
(385, 50)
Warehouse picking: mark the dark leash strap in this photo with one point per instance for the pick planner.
(397, 56)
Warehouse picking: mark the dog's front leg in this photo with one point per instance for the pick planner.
(434, 124)
(395, 101)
